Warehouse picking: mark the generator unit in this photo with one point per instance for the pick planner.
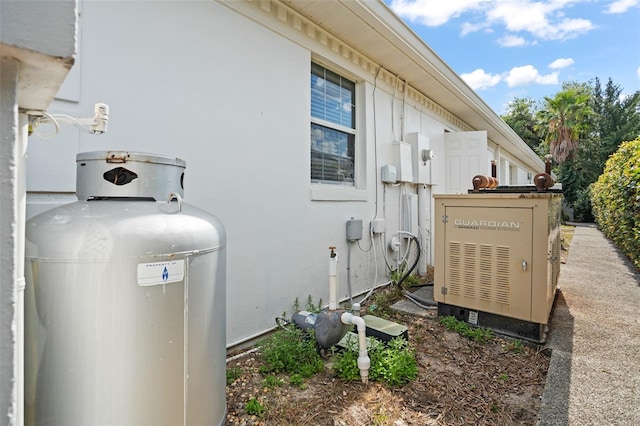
(497, 258)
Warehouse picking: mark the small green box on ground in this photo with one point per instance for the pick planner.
(379, 328)
(383, 329)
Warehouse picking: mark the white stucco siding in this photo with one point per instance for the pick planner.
(37, 45)
(41, 35)
(45, 27)
(231, 97)
(9, 227)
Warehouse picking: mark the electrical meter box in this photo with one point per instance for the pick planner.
(354, 229)
(497, 259)
(404, 165)
(421, 156)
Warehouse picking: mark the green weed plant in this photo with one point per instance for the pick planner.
(393, 364)
(271, 382)
(290, 351)
(253, 407)
(477, 334)
(233, 374)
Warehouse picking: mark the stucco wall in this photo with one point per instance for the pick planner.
(8, 239)
(46, 27)
(231, 97)
(37, 44)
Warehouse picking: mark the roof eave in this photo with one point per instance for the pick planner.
(460, 99)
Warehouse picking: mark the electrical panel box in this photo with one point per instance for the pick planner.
(409, 211)
(402, 159)
(421, 155)
(388, 174)
(354, 229)
(497, 259)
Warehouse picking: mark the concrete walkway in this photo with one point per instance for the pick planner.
(594, 374)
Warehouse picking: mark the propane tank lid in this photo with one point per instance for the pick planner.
(126, 174)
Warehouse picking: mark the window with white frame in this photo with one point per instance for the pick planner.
(333, 127)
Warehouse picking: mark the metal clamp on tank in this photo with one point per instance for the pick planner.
(178, 198)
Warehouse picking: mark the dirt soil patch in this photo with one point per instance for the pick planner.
(460, 382)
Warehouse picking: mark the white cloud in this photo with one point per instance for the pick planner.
(543, 20)
(518, 76)
(546, 20)
(479, 79)
(468, 28)
(621, 6)
(434, 12)
(561, 63)
(511, 41)
(528, 74)
(638, 73)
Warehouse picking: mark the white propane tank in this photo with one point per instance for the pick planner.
(125, 301)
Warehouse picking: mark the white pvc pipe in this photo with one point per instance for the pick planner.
(423, 223)
(333, 281)
(21, 208)
(363, 356)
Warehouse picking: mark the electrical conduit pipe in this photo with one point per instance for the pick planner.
(363, 356)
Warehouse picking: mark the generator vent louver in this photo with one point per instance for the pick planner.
(503, 278)
(455, 268)
(479, 271)
(470, 270)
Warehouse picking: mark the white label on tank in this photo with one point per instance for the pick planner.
(473, 317)
(155, 273)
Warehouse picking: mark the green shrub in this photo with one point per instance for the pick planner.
(582, 206)
(394, 364)
(290, 351)
(345, 364)
(615, 198)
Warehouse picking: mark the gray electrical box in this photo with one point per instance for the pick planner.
(354, 229)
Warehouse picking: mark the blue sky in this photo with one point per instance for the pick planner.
(524, 48)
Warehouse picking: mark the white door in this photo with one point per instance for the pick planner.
(466, 156)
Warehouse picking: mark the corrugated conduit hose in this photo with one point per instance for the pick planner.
(411, 296)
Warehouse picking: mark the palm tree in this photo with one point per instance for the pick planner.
(563, 119)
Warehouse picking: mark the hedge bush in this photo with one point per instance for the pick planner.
(615, 198)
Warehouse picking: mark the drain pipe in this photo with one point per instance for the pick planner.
(333, 279)
(363, 357)
(348, 318)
